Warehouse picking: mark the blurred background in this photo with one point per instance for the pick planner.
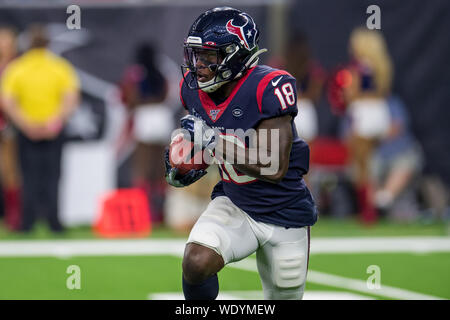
(373, 106)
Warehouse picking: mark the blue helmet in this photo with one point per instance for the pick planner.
(232, 35)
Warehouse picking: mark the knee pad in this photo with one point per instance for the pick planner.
(290, 264)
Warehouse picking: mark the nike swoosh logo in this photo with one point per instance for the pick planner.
(276, 82)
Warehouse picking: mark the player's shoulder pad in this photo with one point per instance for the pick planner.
(277, 92)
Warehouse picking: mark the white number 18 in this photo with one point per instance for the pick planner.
(288, 95)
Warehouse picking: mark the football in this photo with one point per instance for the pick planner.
(182, 157)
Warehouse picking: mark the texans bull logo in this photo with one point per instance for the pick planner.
(246, 33)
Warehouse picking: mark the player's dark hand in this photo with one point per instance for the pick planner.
(177, 180)
(200, 133)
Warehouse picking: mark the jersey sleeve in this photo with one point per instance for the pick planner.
(277, 95)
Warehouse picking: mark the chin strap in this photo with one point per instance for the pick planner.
(211, 86)
(253, 61)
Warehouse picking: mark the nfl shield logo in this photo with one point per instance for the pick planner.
(213, 114)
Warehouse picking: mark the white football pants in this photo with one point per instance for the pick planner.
(282, 254)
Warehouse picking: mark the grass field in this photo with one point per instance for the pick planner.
(27, 271)
(325, 227)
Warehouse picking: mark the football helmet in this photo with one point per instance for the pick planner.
(225, 40)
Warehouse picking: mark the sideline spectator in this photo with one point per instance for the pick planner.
(39, 92)
(396, 166)
(185, 205)
(370, 84)
(9, 173)
(144, 91)
(310, 81)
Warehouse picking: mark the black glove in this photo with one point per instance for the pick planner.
(179, 181)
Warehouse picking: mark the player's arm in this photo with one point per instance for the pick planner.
(267, 158)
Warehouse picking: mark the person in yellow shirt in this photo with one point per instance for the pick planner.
(39, 92)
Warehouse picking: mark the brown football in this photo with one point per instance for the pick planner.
(181, 155)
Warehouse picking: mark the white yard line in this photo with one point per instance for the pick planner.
(69, 248)
(65, 248)
(380, 244)
(361, 286)
(346, 283)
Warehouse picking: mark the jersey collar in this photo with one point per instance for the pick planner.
(215, 111)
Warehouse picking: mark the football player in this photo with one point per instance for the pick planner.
(252, 210)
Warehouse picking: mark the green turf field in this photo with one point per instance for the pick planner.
(325, 227)
(404, 275)
(103, 277)
(136, 277)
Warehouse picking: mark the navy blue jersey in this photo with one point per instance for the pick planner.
(261, 94)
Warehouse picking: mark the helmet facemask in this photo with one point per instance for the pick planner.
(231, 62)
